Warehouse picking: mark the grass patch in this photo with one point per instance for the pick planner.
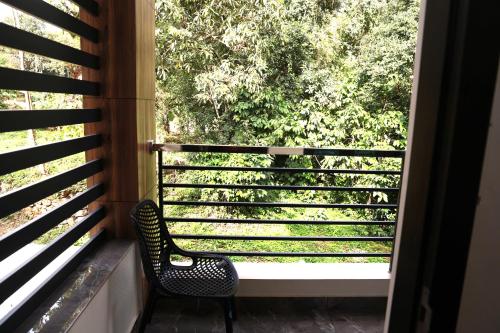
(280, 230)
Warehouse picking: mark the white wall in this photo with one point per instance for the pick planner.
(116, 306)
(480, 305)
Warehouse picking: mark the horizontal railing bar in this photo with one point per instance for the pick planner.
(284, 238)
(264, 221)
(53, 15)
(28, 157)
(26, 41)
(284, 187)
(198, 148)
(278, 204)
(21, 311)
(14, 79)
(90, 5)
(30, 231)
(285, 170)
(297, 254)
(18, 120)
(35, 264)
(17, 199)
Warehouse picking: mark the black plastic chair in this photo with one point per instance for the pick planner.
(209, 275)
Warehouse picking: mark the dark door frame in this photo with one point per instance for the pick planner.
(455, 74)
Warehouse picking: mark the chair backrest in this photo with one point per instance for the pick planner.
(154, 240)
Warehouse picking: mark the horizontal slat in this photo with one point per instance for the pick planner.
(264, 221)
(299, 254)
(19, 313)
(279, 204)
(27, 233)
(28, 157)
(15, 200)
(283, 187)
(281, 170)
(89, 5)
(285, 238)
(26, 41)
(15, 120)
(57, 17)
(196, 148)
(14, 79)
(23, 274)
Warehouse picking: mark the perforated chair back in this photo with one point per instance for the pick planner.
(153, 239)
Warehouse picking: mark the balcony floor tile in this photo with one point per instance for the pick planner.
(294, 315)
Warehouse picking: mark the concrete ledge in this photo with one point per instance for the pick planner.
(102, 295)
(312, 280)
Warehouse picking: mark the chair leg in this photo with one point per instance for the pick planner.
(228, 315)
(233, 308)
(148, 310)
(154, 297)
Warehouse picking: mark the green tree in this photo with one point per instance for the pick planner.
(298, 72)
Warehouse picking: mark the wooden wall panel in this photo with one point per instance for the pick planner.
(145, 33)
(146, 160)
(126, 49)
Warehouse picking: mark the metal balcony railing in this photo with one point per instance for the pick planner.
(357, 195)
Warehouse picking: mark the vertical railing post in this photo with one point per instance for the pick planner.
(397, 211)
(160, 181)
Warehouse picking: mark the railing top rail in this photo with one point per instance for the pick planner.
(233, 149)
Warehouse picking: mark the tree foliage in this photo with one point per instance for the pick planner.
(315, 73)
(296, 72)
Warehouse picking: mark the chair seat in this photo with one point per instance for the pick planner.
(207, 277)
